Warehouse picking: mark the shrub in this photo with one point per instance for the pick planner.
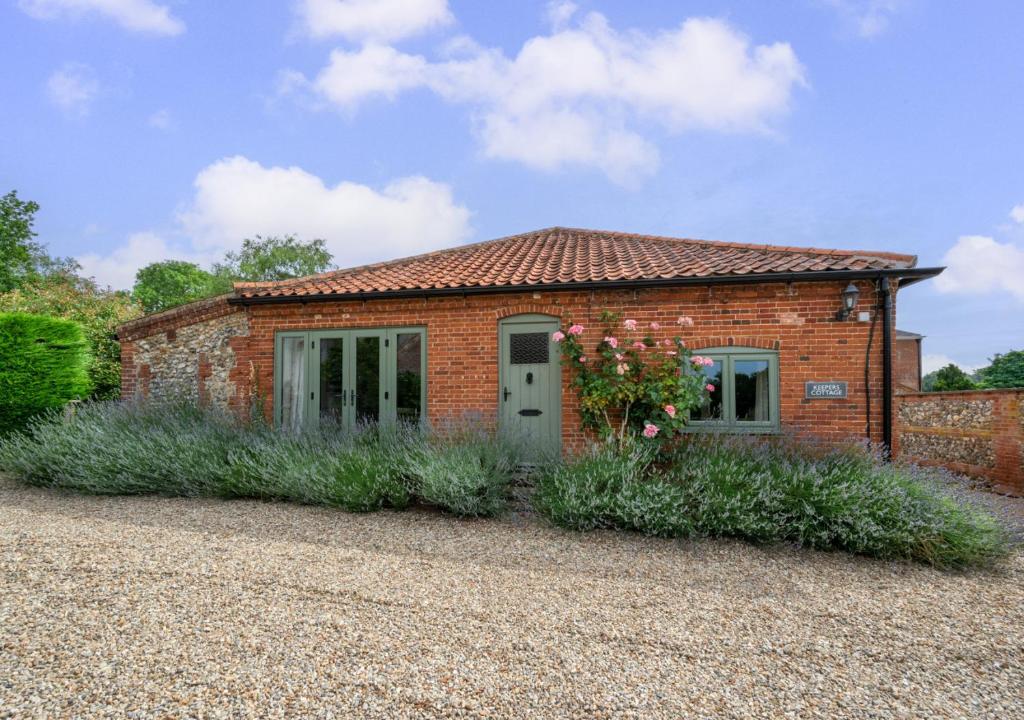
(44, 363)
(612, 488)
(326, 466)
(114, 449)
(463, 471)
(98, 311)
(179, 449)
(830, 499)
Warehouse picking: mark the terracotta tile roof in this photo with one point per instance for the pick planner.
(568, 255)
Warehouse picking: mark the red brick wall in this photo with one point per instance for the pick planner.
(907, 358)
(462, 342)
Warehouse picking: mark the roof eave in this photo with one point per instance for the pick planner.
(906, 276)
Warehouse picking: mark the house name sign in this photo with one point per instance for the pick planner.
(824, 390)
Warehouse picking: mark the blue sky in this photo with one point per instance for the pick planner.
(152, 129)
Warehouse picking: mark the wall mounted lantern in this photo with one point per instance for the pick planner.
(849, 295)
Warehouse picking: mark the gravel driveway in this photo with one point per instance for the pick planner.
(154, 607)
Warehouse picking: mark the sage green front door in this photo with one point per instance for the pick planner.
(530, 382)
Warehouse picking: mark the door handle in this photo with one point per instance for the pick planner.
(505, 393)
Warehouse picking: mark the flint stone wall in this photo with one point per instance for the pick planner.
(975, 432)
(193, 362)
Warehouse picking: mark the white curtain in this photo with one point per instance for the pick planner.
(761, 395)
(293, 381)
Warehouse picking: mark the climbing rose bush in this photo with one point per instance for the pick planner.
(634, 385)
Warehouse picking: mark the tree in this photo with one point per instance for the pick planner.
(274, 258)
(98, 311)
(1004, 371)
(951, 377)
(163, 285)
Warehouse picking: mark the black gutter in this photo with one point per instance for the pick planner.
(906, 276)
(886, 365)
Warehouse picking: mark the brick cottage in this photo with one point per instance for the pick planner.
(802, 338)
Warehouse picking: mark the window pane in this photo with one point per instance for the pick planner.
(410, 376)
(712, 409)
(528, 348)
(368, 379)
(293, 381)
(332, 391)
(752, 401)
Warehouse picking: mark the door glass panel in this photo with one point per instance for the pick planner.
(752, 401)
(528, 348)
(332, 390)
(712, 409)
(368, 379)
(293, 381)
(409, 380)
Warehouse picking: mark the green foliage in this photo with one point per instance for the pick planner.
(1005, 370)
(163, 285)
(949, 378)
(22, 259)
(178, 449)
(612, 487)
(465, 472)
(274, 258)
(770, 492)
(99, 312)
(642, 384)
(44, 363)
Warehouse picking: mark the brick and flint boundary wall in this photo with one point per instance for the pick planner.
(225, 353)
(975, 432)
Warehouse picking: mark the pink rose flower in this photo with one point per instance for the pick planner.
(655, 326)
(670, 410)
(583, 358)
(576, 330)
(684, 321)
(621, 368)
(650, 430)
(710, 387)
(558, 336)
(639, 345)
(708, 361)
(612, 342)
(667, 342)
(630, 324)
(697, 360)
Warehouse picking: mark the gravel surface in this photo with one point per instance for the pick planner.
(156, 607)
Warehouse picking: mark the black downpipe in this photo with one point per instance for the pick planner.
(886, 366)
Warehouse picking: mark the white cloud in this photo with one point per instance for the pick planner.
(980, 265)
(580, 95)
(136, 15)
(1017, 213)
(930, 362)
(868, 18)
(117, 269)
(161, 120)
(560, 12)
(237, 198)
(73, 88)
(381, 20)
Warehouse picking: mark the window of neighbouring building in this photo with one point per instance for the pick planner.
(746, 394)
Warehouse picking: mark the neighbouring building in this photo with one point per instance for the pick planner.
(466, 332)
(908, 361)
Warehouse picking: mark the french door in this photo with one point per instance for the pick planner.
(349, 377)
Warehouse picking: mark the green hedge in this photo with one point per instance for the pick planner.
(44, 363)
